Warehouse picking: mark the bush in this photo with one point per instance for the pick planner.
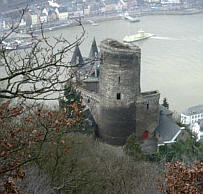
(180, 178)
(133, 148)
(93, 167)
(186, 150)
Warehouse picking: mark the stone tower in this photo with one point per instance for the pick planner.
(115, 100)
(119, 86)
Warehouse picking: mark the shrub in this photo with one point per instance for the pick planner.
(133, 148)
(180, 178)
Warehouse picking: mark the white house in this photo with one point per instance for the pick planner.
(22, 22)
(45, 11)
(62, 13)
(34, 17)
(170, 1)
(192, 115)
(53, 4)
(43, 18)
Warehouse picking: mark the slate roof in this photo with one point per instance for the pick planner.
(109, 2)
(32, 13)
(167, 129)
(77, 58)
(164, 110)
(63, 9)
(193, 110)
(93, 50)
(43, 14)
(50, 12)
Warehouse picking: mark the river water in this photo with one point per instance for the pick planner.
(172, 61)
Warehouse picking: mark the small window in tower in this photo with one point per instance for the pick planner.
(147, 106)
(88, 101)
(118, 96)
(119, 79)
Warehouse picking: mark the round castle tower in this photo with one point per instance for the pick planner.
(119, 86)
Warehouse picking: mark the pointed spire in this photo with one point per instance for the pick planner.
(77, 58)
(93, 50)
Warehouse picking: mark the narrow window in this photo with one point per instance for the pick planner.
(88, 101)
(147, 106)
(118, 96)
(119, 79)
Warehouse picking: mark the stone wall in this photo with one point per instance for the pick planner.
(119, 73)
(119, 85)
(91, 101)
(118, 106)
(92, 85)
(147, 113)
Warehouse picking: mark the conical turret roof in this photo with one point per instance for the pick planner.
(93, 50)
(77, 58)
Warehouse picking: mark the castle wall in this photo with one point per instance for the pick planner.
(91, 101)
(115, 100)
(119, 86)
(147, 113)
(119, 73)
(92, 86)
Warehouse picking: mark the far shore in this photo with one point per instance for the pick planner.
(99, 19)
(103, 18)
(157, 12)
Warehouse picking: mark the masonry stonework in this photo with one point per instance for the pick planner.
(121, 109)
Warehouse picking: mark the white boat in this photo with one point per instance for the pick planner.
(93, 23)
(130, 18)
(16, 45)
(141, 35)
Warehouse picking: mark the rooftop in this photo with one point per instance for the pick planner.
(165, 111)
(193, 110)
(167, 129)
(63, 9)
(77, 58)
(93, 51)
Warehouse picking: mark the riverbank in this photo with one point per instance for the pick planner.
(99, 19)
(147, 13)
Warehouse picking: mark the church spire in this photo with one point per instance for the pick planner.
(93, 50)
(77, 58)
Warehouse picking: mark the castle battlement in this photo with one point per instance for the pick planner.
(115, 47)
(150, 97)
(86, 94)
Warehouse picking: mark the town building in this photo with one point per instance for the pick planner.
(192, 115)
(167, 131)
(62, 13)
(43, 17)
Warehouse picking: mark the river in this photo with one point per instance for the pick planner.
(172, 61)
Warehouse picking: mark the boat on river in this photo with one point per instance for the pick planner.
(93, 23)
(140, 35)
(130, 18)
(16, 45)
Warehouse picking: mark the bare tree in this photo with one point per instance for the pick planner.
(39, 72)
